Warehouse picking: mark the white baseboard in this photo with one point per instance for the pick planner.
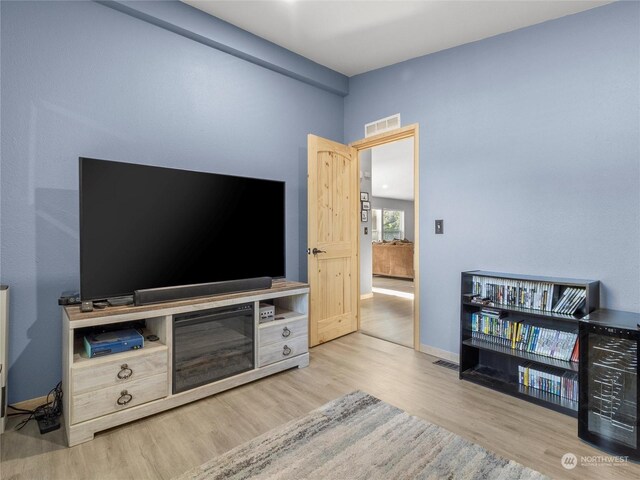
(364, 296)
(437, 352)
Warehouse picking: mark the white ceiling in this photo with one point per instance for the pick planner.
(353, 37)
(392, 170)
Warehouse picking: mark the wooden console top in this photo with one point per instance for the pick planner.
(74, 313)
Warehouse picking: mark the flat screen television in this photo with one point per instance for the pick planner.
(148, 227)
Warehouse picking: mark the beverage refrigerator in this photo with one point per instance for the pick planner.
(608, 373)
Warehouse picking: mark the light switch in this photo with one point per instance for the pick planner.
(439, 226)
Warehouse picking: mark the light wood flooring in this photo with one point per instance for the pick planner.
(170, 443)
(386, 316)
(404, 285)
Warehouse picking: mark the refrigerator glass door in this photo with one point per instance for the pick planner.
(613, 389)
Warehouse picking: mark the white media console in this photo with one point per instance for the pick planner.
(103, 392)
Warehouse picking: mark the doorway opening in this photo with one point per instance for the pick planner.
(388, 243)
(335, 231)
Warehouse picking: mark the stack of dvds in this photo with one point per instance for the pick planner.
(515, 293)
(563, 384)
(572, 299)
(548, 342)
(491, 326)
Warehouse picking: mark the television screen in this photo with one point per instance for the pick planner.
(148, 227)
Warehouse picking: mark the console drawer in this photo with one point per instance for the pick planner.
(104, 401)
(282, 350)
(283, 331)
(124, 368)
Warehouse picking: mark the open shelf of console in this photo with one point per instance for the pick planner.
(110, 390)
(495, 359)
(283, 316)
(80, 357)
(149, 326)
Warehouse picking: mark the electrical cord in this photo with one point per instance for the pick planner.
(51, 409)
(22, 410)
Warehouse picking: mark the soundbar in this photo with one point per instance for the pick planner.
(149, 296)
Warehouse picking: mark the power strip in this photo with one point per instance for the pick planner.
(47, 425)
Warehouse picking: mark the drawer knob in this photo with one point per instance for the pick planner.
(286, 351)
(286, 332)
(125, 397)
(125, 372)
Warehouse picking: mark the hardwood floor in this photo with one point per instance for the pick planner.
(170, 443)
(398, 284)
(387, 316)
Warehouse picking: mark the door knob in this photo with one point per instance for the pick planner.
(315, 251)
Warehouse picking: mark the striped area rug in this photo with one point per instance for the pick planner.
(355, 437)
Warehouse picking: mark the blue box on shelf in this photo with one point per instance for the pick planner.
(106, 343)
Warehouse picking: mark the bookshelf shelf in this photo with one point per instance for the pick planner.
(497, 366)
(488, 378)
(525, 356)
(529, 311)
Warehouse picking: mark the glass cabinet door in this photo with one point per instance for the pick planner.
(612, 401)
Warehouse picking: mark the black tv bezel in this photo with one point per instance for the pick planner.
(124, 294)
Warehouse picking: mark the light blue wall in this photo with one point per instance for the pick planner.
(80, 78)
(529, 151)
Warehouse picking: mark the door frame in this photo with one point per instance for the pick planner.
(410, 131)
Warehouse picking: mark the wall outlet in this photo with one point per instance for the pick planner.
(439, 227)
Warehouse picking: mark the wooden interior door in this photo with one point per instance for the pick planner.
(334, 218)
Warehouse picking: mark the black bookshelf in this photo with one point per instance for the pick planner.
(495, 366)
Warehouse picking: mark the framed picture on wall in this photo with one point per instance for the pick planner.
(364, 216)
(366, 206)
(364, 196)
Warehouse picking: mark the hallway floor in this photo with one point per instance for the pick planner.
(389, 314)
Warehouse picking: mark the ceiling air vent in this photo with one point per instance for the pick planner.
(382, 125)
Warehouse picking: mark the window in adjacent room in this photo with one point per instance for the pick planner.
(392, 224)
